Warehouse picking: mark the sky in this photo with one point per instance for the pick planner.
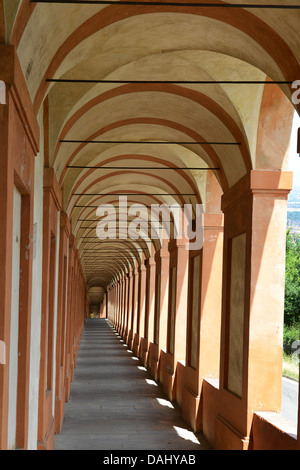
(294, 159)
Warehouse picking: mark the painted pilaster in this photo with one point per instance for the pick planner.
(252, 303)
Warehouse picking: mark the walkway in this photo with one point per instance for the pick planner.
(115, 404)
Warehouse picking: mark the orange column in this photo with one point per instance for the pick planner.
(61, 320)
(6, 213)
(204, 318)
(125, 306)
(177, 317)
(79, 311)
(73, 315)
(149, 309)
(113, 301)
(120, 303)
(110, 304)
(133, 328)
(252, 304)
(116, 305)
(122, 286)
(19, 136)
(52, 204)
(102, 310)
(116, 301)
(25, 275)
(70, 303)
(162, 259)
(123, 297)
(140, 330)
(129, 307)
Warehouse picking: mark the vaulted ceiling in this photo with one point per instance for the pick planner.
(127, 64)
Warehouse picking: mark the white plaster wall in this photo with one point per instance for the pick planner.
(14, 325)
(36, 302)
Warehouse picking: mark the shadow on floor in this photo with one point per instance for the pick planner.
(115, 404)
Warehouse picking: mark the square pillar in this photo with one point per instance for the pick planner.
(255, 212)
(140, 310)
(177, 316)
(70, 306)
(119, 304)
(123, 326)
(52, 206)
(65, 231)
(133, 326)
(204, 318)
(19, 137)
(158, 344)
(149, 309)
(129, 307)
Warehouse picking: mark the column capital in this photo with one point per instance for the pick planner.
(71, 241)
(274, 183)
(213, 221)
(149, 262)
(12, 75)
(51, 184)
(142, 268)
(162, 253)
(65, 223)
(176, 244)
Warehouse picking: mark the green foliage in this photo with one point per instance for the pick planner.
(291, 333)
(292, 279)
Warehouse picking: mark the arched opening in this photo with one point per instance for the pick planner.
(148, 105)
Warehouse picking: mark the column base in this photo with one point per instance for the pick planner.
(60, 403)
(136, 345)
(153, 361)
(168, 375)
(144, 351)
(230, 438)
(130, 340)
(191, 408)
(67, 385)
(59, 413)
(126, 337)
(48, 442)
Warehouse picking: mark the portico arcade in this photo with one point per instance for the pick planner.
(170, 103)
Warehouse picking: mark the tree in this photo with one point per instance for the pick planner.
(292, 279)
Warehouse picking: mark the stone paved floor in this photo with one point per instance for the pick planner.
(115, 404)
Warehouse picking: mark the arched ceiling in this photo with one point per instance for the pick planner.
(145, 52)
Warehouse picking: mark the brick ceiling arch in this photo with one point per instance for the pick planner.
(149, 42)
